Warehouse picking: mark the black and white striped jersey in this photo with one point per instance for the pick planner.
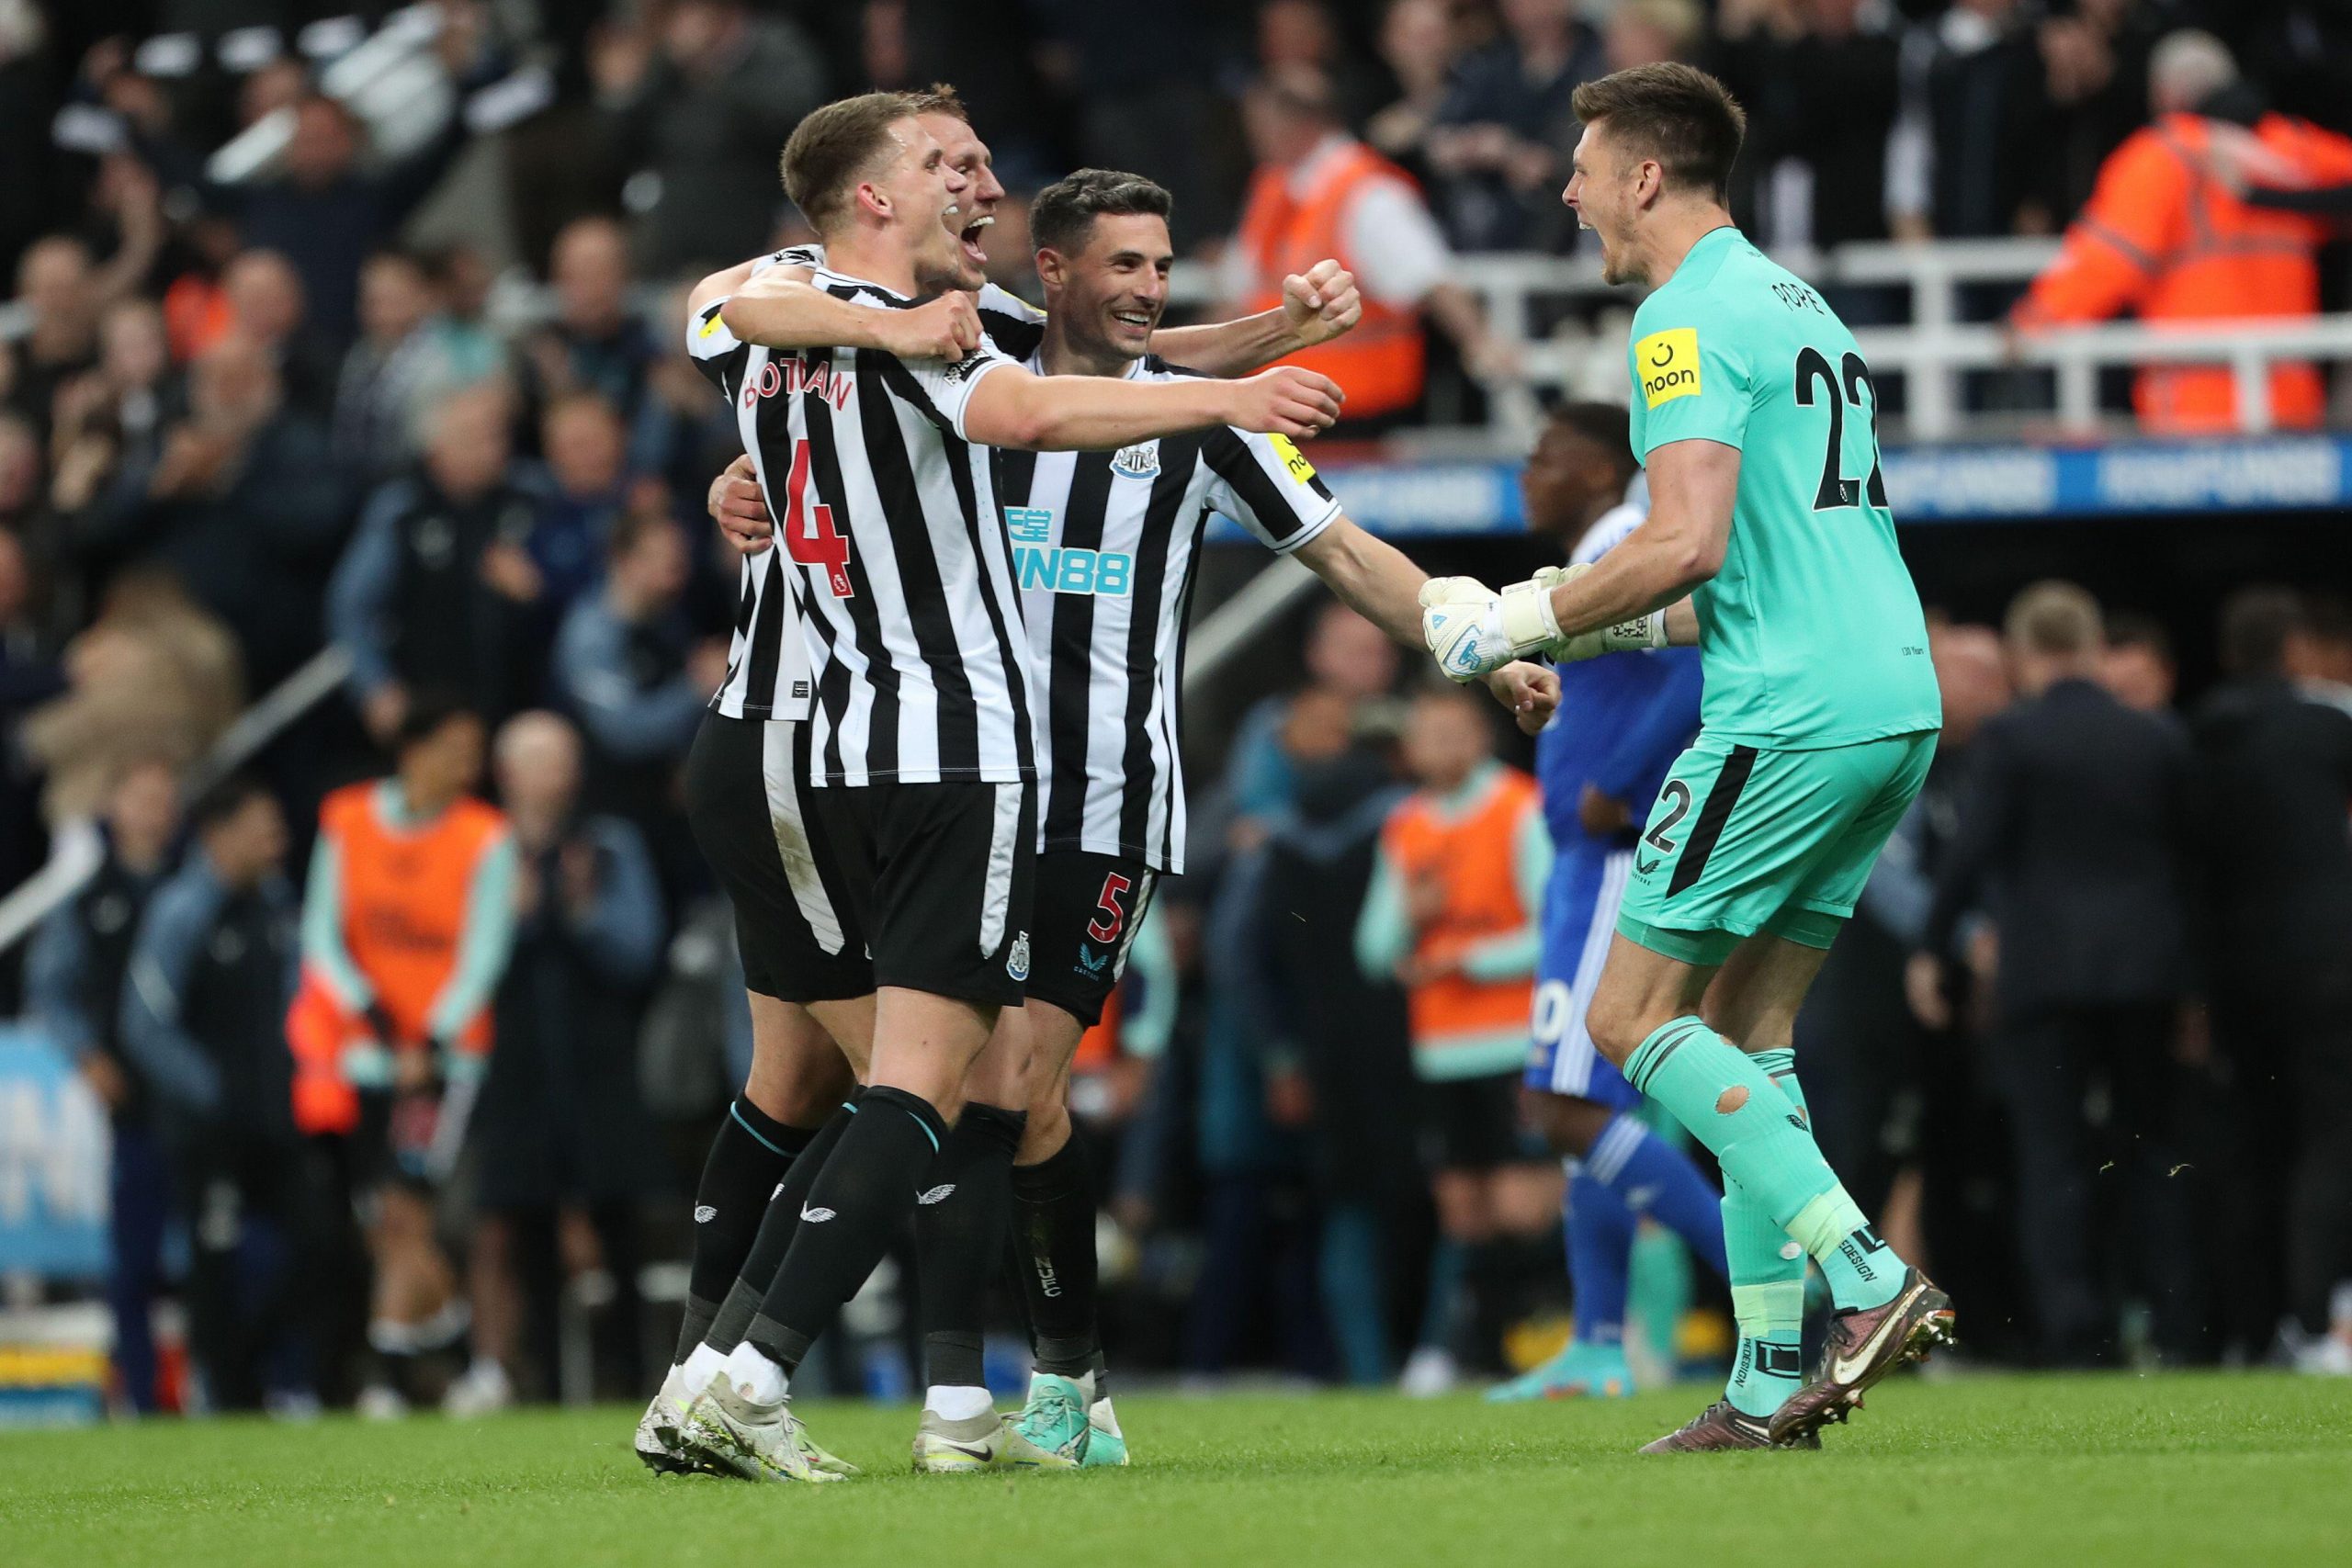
(768, 674)
(1103, 543)
(898, 564)
(767, 658)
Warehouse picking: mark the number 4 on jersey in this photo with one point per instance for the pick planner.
(809, 536)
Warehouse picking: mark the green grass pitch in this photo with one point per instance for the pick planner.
(2206, 1469)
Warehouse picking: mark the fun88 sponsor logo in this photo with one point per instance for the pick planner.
(1038, 565)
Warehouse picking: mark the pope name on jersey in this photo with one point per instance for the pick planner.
(1103, 545)
(899, 569)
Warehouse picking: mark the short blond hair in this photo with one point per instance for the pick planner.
(2055, 618)
(835, 148)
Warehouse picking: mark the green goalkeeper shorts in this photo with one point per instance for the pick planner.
(1744, 841)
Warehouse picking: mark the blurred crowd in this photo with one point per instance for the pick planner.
(287, 368)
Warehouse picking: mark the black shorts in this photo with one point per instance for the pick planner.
(1473, 1123)
(747, 796)
(939, 877)
(1080, 923)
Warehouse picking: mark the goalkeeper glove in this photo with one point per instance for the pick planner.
(1641, 632)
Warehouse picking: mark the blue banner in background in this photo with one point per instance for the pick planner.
(53, 1146)
(1926, 484)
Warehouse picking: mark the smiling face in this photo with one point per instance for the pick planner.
(921, 194)
(1608, 193)
(1109, 295)
(968, 156)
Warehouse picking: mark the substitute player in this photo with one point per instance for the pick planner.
(1104, 544)
(1770, 546)
(1621, 723)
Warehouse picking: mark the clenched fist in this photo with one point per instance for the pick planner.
(1322, 302)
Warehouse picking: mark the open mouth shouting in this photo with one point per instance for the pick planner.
(969, 236)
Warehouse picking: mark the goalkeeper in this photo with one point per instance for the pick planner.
(1770, 547)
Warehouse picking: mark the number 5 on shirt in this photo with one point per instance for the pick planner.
(809, 536)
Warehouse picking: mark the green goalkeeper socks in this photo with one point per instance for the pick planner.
(1762, 1144)
(1767, 1281)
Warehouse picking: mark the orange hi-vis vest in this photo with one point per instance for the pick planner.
(2163, 236)
(1381, 364)
(404, 897)
(1473, 857)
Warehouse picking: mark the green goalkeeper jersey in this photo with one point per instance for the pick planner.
(1811, 636)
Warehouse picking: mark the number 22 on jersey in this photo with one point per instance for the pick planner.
(809, 536)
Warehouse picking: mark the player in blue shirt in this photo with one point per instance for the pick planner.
(1621, 723)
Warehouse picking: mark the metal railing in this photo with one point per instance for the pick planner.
(76, 849)
(1932, 352)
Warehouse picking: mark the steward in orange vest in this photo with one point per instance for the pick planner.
(1380, 364)
(2163, 235)
(407, 921)
(1452, 913)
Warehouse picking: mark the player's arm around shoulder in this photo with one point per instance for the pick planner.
(1319, 305)
(1081, 413)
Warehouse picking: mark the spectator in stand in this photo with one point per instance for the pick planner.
(1452, 916)
(565, 1146)
(629, 669)
(407, 919)
(2165, 241)
(2280, 907)
(699, 113)
(1319, 192)
(390, 375)
(20, 475)
(1974, 103)
(586, 490)
(326, 214)
(210, 971)
(1820, 79)
(74, 981)
(154, 676)
(2137, 664)
(114, 415)
(239, 500)
(264, 298)
(1499, 146)
(594, 343)
(437, 589)
(64, 290)
(1143, 79)
(1303, 33)
(1417, 44)
(2077, 819)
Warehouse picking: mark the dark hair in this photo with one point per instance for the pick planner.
(1674, 113)
(1062, 217)
(225, 799)
(833, 146)
(2137, 628)
(938, 98)
(633, 527)
(428, 714)
(1608, 426)
(2255, 624)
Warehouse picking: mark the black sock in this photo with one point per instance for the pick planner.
(748, 1157)
(959, 1238)
(863, 1195)
(1054, 1237)
(778, 1222)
